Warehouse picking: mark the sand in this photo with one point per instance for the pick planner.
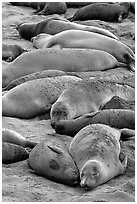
(19, 184)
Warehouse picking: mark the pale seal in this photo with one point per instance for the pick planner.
(51, 159)
(53, 26)
(59, 59)
(88, 40)
(117, 118)
(14, 137)
(35, 97)
(102, 11)
(97, 154)
(87, 96)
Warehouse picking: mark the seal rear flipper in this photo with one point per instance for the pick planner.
(127, 134)
(130, 61)
(55, 149)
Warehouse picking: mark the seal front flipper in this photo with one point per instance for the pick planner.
(55, 149)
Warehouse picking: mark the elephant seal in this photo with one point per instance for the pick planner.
(53, 8)
(51, 59)
(97, 154)
(51, 159)
(53, 26)
(116, 118)
(11, 136)
(12, 153)
(33, 76)
(76, 4)
(132, 7)
(102, 11)
(35, 97)
(88, 40)
(11, 52)
(27, 4)
(87, 96)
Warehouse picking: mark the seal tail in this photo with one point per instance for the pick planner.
(130, 61)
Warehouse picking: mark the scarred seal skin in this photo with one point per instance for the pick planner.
(52, 160)
(97, 154)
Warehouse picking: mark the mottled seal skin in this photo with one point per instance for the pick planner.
(116, 118)
(102, 11)
(53, 26)
(52, 160)
(35, 97)
(11, 52)
(12, 153)
(59, 59)
(88, 40)
(11, 136)
(53, 8)
(33, 76)
(97, 154)
(87, 96)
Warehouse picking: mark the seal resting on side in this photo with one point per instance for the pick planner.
(53, 8)
(116, 118)
(35, 97)
(97, 154)
(53, 26)
(11, 52)
(11, 136)
(12, 153)
(88, 96)
(88, 40)
(102, 11)
(59, 59)
(51, 159)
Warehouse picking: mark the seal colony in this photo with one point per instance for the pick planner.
(39, 81)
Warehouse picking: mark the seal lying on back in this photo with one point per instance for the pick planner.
(116, 118)
(87, 96)
(51, 159)
(35, 97)
(97, 154)
(59, 59)
(11, 136)
(102, 11)
(11, 52)
(53, 26)
(88, 40)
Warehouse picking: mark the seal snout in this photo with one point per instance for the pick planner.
(56, 126)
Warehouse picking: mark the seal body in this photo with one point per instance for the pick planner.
(11, 136)
(88, 40)
(51, 59)
(54, 8)
(33, 76)
(51, 159)
(102, 11)
(12, 153)
(87, 96)
(116, 118)
(35, 97)
(11, 52)
(53, 26)
(96, 152)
